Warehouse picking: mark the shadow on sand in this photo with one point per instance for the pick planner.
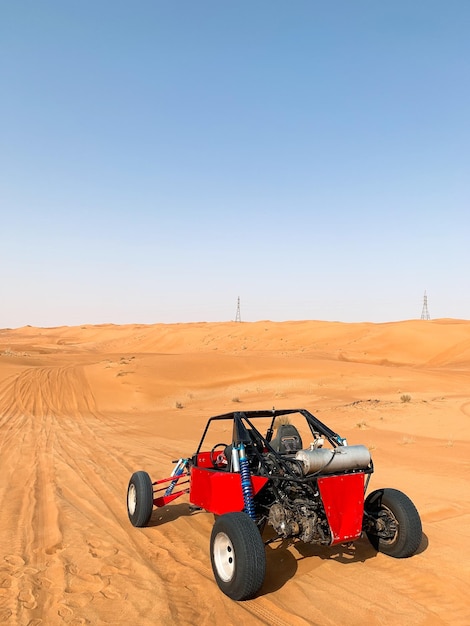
(170, 513)
(282, 563)
(283, 556)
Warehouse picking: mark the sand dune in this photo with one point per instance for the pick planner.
(81, 408)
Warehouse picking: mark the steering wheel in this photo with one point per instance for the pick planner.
(220, 460)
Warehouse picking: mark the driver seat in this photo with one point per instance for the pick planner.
(287, 439)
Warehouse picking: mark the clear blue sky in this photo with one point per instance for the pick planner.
(161, 158)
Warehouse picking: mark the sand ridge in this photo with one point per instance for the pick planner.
(83, 407)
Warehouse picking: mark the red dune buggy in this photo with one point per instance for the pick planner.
(286, 470)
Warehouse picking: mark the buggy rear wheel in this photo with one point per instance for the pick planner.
(392, 523)
(238, 556)
(140, 499)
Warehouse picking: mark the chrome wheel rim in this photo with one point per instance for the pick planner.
(131, 499)
(224, 557)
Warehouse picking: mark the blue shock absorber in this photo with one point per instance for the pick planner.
(247, 487)
(178, 470)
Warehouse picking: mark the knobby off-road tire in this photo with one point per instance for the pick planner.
(140, 499)
(400, 530)
(238, 556)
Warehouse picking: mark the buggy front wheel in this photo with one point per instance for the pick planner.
(140, 499)
(238, 556)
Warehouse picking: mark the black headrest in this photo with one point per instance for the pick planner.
(287, 439)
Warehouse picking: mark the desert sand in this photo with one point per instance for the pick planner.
(81, 408)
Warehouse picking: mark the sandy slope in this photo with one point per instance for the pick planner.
(82, 408)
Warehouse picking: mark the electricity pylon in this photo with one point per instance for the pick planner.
(238, 317)
(425, 312)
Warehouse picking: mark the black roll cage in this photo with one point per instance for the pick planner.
(238, 417)
(285, 471)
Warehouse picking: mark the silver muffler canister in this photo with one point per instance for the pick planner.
(329, 461)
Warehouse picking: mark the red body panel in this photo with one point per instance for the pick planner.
(219, 491)
(343, 500)
(205, 459)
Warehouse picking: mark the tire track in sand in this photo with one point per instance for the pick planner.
(68, 549)
(32, 404)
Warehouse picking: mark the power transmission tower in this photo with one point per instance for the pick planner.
(238, 317)
(425, 312)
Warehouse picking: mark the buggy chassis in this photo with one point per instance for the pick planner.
(314, 494)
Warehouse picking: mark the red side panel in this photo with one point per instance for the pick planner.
(219, 491)
(204, 459)
(343, 499)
